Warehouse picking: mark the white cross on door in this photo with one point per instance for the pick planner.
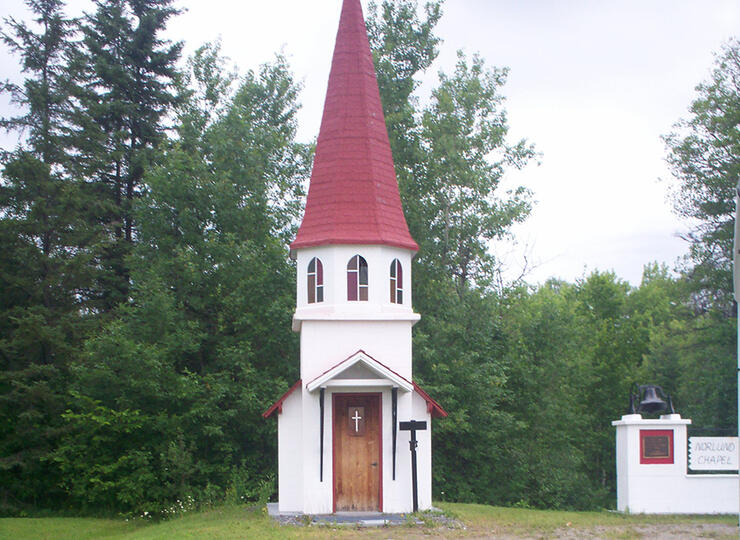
(357, 419)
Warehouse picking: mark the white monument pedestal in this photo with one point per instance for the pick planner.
(652, 471)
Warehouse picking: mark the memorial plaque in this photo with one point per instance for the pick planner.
(656, 446)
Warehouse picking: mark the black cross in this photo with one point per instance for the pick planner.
(413, 426)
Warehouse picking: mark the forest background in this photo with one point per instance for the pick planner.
(147, 293)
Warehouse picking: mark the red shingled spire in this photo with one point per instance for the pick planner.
(353, 196)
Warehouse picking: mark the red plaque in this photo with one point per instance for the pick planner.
(656, 446)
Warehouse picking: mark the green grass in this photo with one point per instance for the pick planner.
(527, 522)
(224, 522)
(63, 528)
(242, 522)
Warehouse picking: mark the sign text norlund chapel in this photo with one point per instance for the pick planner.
(713, 453)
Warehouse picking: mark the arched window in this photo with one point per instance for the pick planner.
(315, 277)
(396, 282)
(357, 279)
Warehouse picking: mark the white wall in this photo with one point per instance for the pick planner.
(336, 328)
(667, 488)
(334, 259)
(317, 495)
(423, 453)
(290, 437)
(300, 487)
(326, 343)
(331, 331)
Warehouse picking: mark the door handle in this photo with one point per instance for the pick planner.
(374, 464)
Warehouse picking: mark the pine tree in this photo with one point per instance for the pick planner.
(43, 268)
(170, 393)
(128, 81)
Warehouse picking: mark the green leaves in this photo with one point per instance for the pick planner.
(704, 155)
(464, 132)
(204, 343)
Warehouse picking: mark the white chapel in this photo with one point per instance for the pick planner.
(343, 439)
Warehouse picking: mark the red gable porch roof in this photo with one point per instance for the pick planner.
(278, 405)
(353, 196)
(434, 408)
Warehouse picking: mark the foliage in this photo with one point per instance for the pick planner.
(170, 394)
(451, 154)
(464, 131)
(44, 266)
(404, 46)
(126, 76)
(546, 455)
(704, 155)
(457, 358)
(695, 355)
(147, 292)
(694, 360)
(448, 187)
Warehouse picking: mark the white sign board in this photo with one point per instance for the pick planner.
(713, 453)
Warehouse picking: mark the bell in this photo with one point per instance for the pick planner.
(651, 402)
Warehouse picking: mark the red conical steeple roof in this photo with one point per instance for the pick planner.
(353, 197)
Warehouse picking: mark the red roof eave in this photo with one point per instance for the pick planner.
(300, 244)
(434, 408)
(278, 405)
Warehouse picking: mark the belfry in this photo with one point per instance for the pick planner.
(343, 439)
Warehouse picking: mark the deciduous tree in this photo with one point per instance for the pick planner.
(174, 387)
(704, 155)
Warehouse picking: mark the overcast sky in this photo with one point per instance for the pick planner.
(593, 84)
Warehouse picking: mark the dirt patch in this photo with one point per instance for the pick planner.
(717, 531)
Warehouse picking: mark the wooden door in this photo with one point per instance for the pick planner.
(357, 452)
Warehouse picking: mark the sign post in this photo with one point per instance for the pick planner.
(413, 426)
(736, 283)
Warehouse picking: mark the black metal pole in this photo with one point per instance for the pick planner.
(394, 394)
(413, 426)
(321, 436)
(412, 444)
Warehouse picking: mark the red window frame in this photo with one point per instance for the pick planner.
(396, 282)
(357, 279)
(315, 281)
(646, 459)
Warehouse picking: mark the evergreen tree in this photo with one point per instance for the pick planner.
(128, 81)
(43, 275)
(170, 394)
